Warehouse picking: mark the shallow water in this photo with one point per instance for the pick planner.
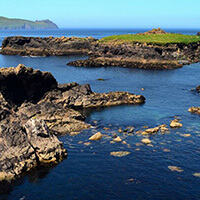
(90, 172)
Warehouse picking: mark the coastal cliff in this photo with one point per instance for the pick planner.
(34, 109)
(48, 46)
(10, 24)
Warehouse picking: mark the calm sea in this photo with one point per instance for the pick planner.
(90, 172)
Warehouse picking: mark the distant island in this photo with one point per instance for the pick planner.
(10, 24)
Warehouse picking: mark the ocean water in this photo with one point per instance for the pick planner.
(89, 172)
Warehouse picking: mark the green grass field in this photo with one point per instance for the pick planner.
(160, 39)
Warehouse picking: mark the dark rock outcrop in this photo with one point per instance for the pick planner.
(198, 34)
(48, 46)
(25, 84)
(34, 109)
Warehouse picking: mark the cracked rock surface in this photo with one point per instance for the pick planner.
(34, 109)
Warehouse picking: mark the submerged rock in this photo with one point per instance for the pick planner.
(119, 153)
(175, 168)
(197, 175)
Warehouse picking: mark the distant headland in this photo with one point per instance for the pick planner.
(10, 24)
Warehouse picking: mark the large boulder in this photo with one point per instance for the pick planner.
(22, 84)
(25, 147)
(198, 34)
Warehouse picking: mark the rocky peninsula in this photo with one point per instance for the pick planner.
(34, 109)
(48, 46)
(154, 49)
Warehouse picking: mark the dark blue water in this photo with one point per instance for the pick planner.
(90, 172)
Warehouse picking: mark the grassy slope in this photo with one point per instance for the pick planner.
(161, 39)
(18, 23)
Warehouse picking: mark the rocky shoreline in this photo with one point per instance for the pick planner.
(34, 109)
(126, 62)
(48, 46)
(141, 55)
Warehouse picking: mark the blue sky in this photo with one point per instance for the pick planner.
(107, 13)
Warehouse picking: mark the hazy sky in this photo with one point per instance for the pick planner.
(107, 13)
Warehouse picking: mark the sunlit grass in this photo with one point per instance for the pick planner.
(161, 39)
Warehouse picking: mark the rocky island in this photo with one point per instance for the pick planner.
(10, 24)
(155, 49)
(34, 109)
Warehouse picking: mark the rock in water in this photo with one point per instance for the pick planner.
(96, 136)
(175, 169)
(25, 147)
(194, 110)
(117, 139)
(146, 141)
(175, 124)
(151, 131)
(119, 153)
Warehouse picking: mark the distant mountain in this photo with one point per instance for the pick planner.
(7, 23)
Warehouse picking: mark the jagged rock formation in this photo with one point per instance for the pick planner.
(25, 147)
(34, 108)
(49, 46)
